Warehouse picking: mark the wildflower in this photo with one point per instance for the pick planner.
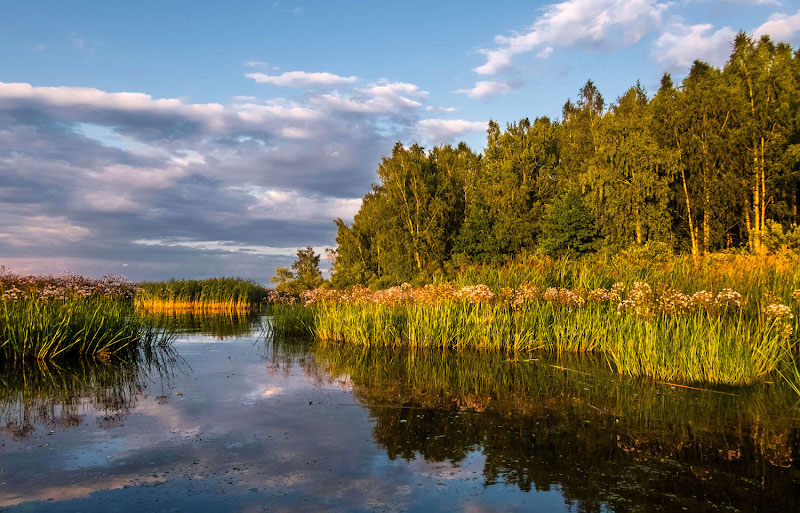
(728, 297)
(526, 293)
(702, 299)
(476, 294)
(564, 297)
(779, 311)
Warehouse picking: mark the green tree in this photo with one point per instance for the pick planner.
(304, 275)
(569, 225)
(763, 74)
(628, 178)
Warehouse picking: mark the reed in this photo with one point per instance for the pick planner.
(46, 318)
(211, 295)
(705, 337)
(40, 329)
(289, 319)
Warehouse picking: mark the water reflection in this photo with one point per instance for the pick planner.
(224, 325)
(299, 426)
(569, 423)
(43, 394)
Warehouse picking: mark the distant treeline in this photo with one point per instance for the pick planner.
(707, 165)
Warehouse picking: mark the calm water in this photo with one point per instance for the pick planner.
(231, 421)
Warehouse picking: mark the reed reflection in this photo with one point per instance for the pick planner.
(570, 423)
(221, 325)
(45, 395)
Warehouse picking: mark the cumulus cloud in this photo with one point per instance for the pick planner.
(436, 131)
(596, 23)
(781, 27)
(302, 79)
(488, 88)
(85, 172)
(678, 47)
(383, 97)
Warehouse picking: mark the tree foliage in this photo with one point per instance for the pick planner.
(708, 164)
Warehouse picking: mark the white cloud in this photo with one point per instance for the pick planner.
(42, 229)
(678, 48)
(211, 114)
(436, 108)
(436, 131)
(781, 27)
(578, 22)
(224, 246)
(302, 79)
(488, 88)
(384, 96)
(288, 204)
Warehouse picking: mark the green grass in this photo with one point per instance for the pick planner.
(692, 348)
(214, 293)
(290, 319)
(739, 345)
(40, 329)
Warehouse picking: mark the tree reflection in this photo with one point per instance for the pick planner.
(568, 423)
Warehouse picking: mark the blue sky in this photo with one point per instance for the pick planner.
(189, 139)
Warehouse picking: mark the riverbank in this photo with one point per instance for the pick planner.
(715, 335)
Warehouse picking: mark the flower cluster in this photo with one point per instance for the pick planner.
(111, 286)
(779, 311)
(475, 294)
(641, 300)
(564, 297)
(525, 293)
(728, 297)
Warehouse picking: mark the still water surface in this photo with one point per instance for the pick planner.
(230, 420)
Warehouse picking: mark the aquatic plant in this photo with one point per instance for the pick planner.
(702, 337)
(54, 317)
(214, 294)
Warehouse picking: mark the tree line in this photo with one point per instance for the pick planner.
(707, 165)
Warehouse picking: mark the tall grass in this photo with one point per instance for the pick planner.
(214, 294)
(45, 318)
(694, 348)
(752, 276)
(709, 334)
(39, 329)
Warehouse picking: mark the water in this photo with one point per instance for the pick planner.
(229, 421)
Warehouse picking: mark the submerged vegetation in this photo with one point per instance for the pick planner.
(210, 295)
(45, 318)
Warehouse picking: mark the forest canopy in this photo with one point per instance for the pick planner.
(711, 164)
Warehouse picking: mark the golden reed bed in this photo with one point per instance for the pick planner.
(159, 305)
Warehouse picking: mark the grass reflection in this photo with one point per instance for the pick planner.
(568, 422)
(48, 395)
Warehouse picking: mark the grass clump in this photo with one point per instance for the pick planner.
(46, 318)
(705, 337)
(214, 294)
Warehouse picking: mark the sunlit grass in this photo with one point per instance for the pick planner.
(211, 295)
(39, 329)
(735, 323)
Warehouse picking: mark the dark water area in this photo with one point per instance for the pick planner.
(231, 420)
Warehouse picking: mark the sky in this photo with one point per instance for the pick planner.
(191, 139)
